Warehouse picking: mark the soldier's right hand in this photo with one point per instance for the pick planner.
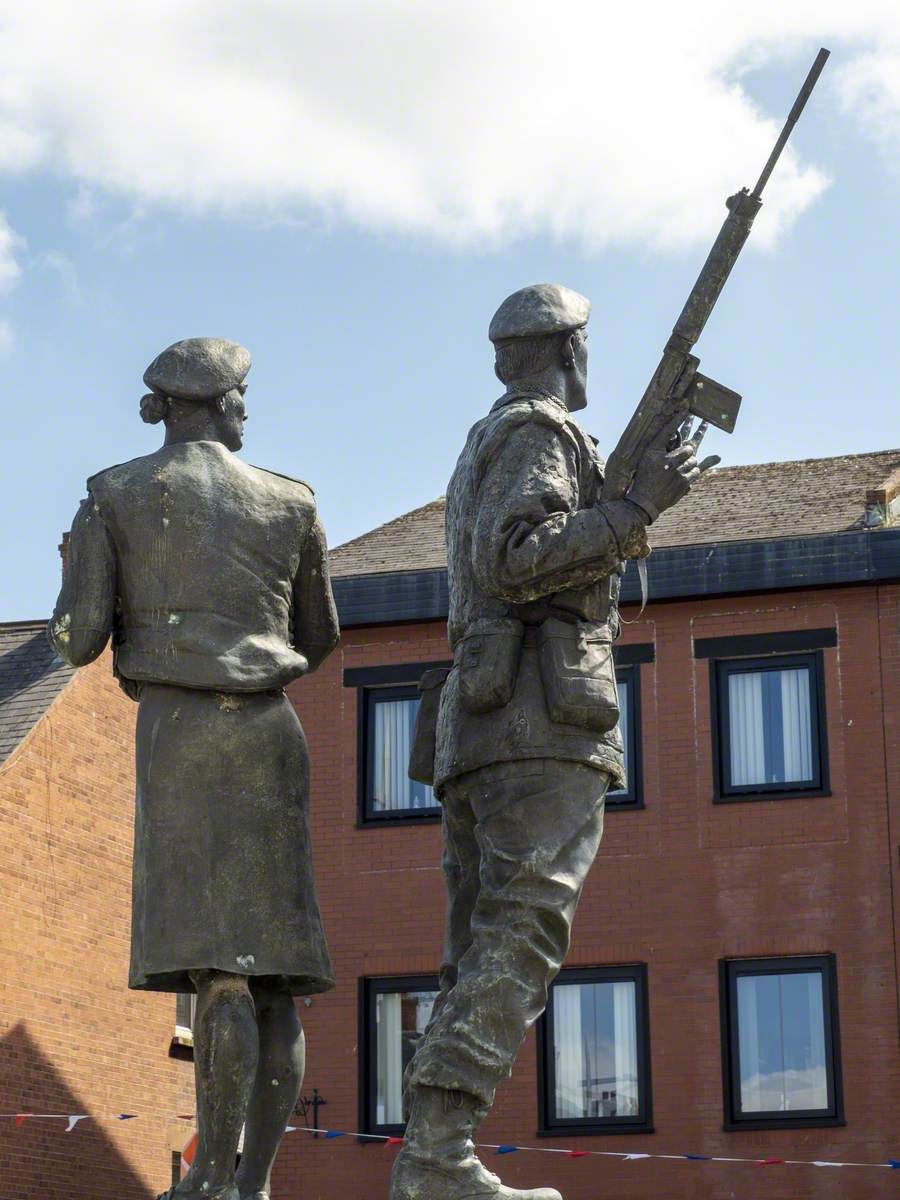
(669, 468)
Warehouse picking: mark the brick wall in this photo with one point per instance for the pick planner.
(679, 885)
(73, 1039)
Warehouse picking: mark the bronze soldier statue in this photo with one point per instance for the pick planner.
(211, 577)
(527, 737)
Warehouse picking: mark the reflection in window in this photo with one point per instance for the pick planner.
(595, 1046)
(390, 724)
(781, 1042)
(594, 1053)
(770, 726)
(400, 1020)
(781, 1023)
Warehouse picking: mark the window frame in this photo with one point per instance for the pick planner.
(370, 987)
(633, 795)
(719, 671)
(397, 681)
(730, 970)
(549, 1125)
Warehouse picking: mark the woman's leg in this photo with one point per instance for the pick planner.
(279, 1077)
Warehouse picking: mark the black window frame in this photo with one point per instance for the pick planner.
(719, 671)
(370, 987)
(730, 971)
(395, 682)
(633, 795)
(549, 1125)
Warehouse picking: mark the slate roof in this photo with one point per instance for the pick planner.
(730, 504)
(31, 677)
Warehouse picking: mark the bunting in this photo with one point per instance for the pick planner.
(74, 1120)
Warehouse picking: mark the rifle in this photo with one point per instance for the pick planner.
(664, 402)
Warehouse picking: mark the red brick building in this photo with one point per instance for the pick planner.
(73, 1039)
(732, 984)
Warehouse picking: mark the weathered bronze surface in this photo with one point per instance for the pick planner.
(527, 739)
(211, 577)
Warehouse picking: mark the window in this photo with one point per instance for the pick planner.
(185, 1007)
(182, 1043)
(388, 704)
(395, 1013)
(594, 1062)
(770, 725)
(780, 1042)
(390, 718)
(628, 684)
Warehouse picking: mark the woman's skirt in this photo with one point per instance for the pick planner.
(223, 876)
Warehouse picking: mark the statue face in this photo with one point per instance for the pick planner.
(577, 397)
(232, 419)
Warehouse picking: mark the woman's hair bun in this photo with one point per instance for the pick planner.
(153, 408)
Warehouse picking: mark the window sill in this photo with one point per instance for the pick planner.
(594, 1129)
(784, 1123)
(791, 794)
(425, 817)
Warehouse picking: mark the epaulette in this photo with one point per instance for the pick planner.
(535, 408)
(281, 475)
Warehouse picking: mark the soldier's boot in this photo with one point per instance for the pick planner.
(438, 1160)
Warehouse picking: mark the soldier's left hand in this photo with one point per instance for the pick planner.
(689, 468)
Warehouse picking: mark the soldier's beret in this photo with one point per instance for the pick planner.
(198, 369)
(539, 309)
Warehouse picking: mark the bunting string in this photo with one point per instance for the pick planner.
(73, 1120)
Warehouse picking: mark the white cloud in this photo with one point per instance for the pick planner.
(10, 243)
(7, 338)
(473, 122)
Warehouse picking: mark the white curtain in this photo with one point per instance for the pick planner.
(791, 760)
(625, 1042)
(795, 724)
(393, 733)
(745, 708)
(748, 1045)
(389, 1059)
(571, 1091)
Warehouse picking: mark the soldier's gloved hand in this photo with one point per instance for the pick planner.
(669, 468)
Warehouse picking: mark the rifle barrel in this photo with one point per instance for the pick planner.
(811, 79)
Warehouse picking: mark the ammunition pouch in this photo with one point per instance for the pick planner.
(487, 662)
(578, 673)
(421, 755)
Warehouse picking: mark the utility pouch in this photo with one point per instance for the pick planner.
(421, 754)
(578, 673)
(487, 659)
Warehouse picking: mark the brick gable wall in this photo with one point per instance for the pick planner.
(72, 1037)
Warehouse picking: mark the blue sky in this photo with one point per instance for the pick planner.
(365, 296)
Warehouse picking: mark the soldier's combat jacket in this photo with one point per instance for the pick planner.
(531, 549)
(209, 573)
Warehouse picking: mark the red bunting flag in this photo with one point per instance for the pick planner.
(21, 1118)
(770, 1162)
(579, 1153)
(393, 1141)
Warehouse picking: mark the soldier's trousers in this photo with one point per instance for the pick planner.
(519, 840)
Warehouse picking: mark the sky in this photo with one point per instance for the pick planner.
(350, 190)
